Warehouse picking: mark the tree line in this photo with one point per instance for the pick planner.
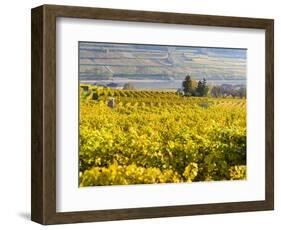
(193, 88)
(200, 89)
(228, 90)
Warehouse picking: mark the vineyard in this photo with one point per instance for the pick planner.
(159, 137)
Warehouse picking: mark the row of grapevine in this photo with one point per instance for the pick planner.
(160, 137)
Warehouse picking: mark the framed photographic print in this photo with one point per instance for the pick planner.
(140, 114)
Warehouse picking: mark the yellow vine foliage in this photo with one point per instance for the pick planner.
(160, 137)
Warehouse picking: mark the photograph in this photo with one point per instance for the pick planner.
(152, 114)
(149, 114)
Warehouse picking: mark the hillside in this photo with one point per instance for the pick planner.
(106, 61)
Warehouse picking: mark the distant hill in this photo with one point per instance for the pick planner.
(106, 61)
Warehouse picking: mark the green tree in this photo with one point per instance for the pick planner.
(202, 88)
(187, 86)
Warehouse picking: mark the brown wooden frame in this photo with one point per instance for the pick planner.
(43, 170)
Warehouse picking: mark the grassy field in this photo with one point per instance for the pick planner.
(159, 137)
